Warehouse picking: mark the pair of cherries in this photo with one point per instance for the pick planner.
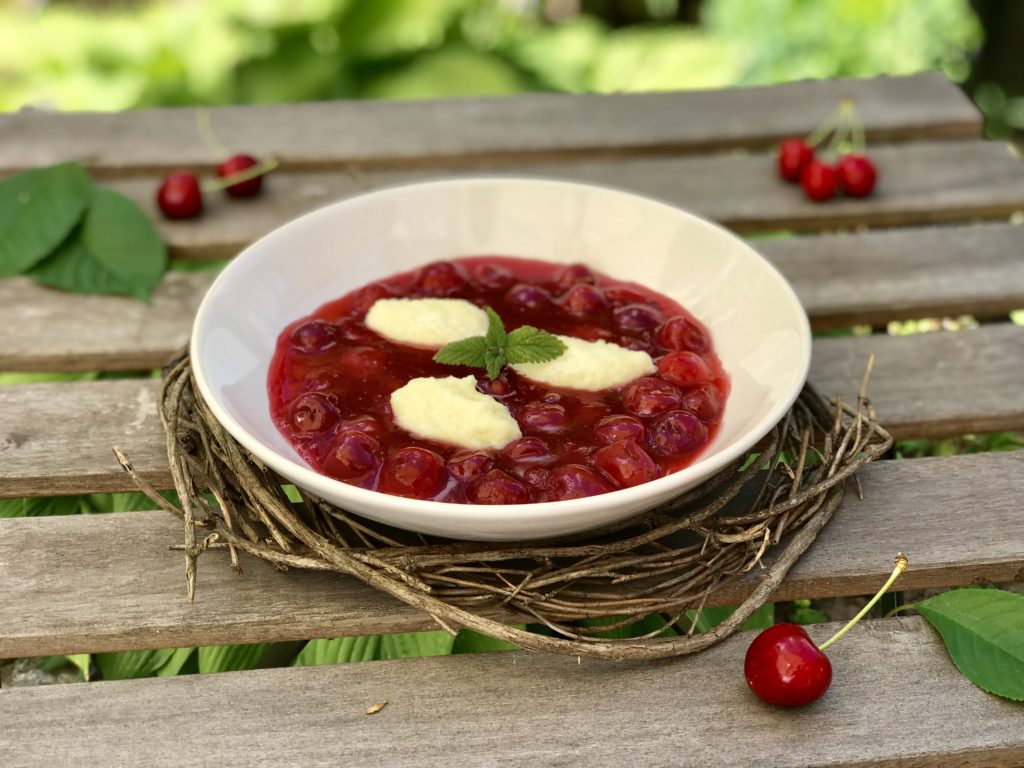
(180, 195)
(784, 667)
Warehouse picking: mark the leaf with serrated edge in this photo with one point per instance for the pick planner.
(527, 344)
(37, 211)
(496, 337)
(494, 361)
(469, 351)
(984, 632)
(121, 238)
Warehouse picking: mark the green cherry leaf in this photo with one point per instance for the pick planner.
(121, 238)
(73, 268)
(37, 211)
(984, 632)
(527, 344)
(469, 351)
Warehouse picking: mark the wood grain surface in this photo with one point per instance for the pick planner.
(465, 131)
(919, 183)
(896, 700)
(108, 582)
(56, 438)
(843, 279)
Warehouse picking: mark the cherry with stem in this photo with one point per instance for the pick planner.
(784, 667)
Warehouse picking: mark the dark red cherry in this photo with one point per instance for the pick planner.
(615, 429)
(497, 487)
(794, 155)
(584, 300)
(676, 433)
(528, 296)
(312, 414)
(680, 333)
(414, 472)
(636, 318)
(684, 368)
(626, 464)
(236, 165)
(784, 667)
(819, 181)
(180, 196)
(353, 456)
(441, 278)
(542, 417)
(857, 175)
(704, 400)
(314, 336)
(649, 396)
(467, 465)
(573, 274)
(574, 481)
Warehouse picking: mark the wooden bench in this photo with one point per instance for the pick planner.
(108, 582)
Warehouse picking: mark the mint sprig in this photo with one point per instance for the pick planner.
(496, 348)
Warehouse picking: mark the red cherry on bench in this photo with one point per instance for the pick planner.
(784, 667)
(819, 181)
(235, 165)
(857, 175)
(794, 155)
(180, 196)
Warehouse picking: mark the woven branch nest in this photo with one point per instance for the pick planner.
(757, 515)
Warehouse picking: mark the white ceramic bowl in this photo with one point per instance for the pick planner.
(758, 327)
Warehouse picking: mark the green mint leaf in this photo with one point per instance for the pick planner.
(471, 351)
(73, 268)
(37, 211)
(121, 238)
(527, 344)
(494, 361)
(984, 632)
(496, 337)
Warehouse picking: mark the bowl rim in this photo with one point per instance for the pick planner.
(305, 476)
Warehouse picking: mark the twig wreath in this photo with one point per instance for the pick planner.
(667, 561)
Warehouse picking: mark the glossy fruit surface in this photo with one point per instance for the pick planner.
(331, 380)
(179, 196)
(857, 175)
(819, 181)
(235, 165)
(784, 667)
(794, 156)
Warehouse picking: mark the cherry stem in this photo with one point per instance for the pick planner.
(899, 608)
(260, 169)
(859, 144)
(901, 566)
(205, 128)
(825, 127)
(846, 112)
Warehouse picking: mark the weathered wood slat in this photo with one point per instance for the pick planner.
(920, 183)
(844, 279)
(461, 131)
(56, 438)
(108, 582)
(901, 274)
(896, 700)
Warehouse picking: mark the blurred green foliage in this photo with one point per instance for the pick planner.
(259, 51)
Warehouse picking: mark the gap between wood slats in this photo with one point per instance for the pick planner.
(841, 280)
(513, 129)
(56, 438)
(895, 700)
(108, 582)
(920, 183)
